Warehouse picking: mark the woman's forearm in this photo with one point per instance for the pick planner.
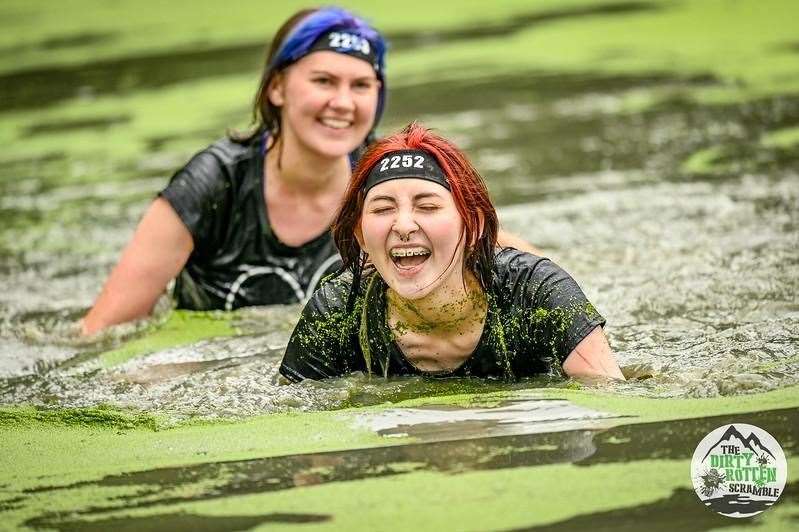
(159, 249)
(593, 358)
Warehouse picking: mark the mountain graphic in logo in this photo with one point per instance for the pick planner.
(733, 437)
(736, 475)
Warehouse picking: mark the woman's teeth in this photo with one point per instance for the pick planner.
(335, 123)
(409, 252)
(409, 257)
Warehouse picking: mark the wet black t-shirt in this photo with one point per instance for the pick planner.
(537, 315)
(237, 260)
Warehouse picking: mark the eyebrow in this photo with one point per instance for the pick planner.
(425, 195)
(327, 73)
(417, 197)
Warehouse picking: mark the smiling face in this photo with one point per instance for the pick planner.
(412, 231)
(328, 102)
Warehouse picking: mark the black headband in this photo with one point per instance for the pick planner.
(345, 42)
(404, 164)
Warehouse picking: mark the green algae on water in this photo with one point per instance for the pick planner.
(705, 161)
(102, 416)
(181, 327)
(787, 138)
(106, 454)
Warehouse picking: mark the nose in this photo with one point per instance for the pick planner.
(342, 99)
(404, 224)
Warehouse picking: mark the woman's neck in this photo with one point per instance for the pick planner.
(450, 309)
(304, 172)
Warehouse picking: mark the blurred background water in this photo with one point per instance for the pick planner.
(650, 148)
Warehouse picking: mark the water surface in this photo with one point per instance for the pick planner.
(678, 214)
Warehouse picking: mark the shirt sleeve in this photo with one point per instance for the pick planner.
(323, 343)
(199, 193)
(557, 314)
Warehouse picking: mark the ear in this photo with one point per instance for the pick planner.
(276, 89)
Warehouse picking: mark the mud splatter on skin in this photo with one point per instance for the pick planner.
(468, 308)
(457, 324)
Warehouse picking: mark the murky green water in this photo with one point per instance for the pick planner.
(650, 148)
(255, 492)
(677, 212)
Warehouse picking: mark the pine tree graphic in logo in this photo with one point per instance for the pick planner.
(739, 470)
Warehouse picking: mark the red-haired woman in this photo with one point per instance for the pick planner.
(428, 292)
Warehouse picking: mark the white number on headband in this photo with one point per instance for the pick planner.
(348, 41)
(405, 161)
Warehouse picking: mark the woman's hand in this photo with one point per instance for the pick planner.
(592, 358)
(158, 251)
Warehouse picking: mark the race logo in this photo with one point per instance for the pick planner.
(739, 470)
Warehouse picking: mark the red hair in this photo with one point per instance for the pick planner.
(468, 190)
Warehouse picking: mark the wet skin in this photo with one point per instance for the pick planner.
(413, 215)
(413, 234)
(328, 102)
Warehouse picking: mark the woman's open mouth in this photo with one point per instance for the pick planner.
(409, 258)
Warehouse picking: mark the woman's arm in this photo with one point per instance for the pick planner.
(158, 251)
(592, 358)
(323, 342)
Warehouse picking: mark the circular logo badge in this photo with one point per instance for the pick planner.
(739, 470)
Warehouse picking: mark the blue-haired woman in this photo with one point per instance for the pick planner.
(246, 221)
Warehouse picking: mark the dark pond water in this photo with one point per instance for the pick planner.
(166, 488)
(692, 258)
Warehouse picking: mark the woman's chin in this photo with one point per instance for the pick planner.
(414, 281)
(409, 292)
(411, 287)
(334, 150)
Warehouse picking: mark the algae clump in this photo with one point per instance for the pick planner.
(101, 416)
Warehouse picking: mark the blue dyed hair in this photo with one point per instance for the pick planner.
(294, 40)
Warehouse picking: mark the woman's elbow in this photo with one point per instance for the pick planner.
(592, 359)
